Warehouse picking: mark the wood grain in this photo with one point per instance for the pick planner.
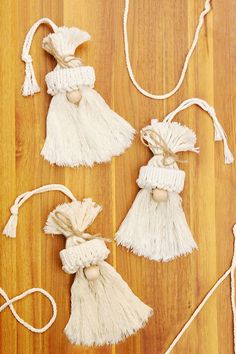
(160, 33)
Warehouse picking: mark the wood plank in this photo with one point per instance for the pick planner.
(160, 33)
(8, 251)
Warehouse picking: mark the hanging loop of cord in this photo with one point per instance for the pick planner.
(206, 10)
(9, 302)
(220, 134)
(10, 228)
(22, 198)
(30, 85)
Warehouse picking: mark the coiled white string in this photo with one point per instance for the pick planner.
(207, 9)
(231, 272)
(9, 303)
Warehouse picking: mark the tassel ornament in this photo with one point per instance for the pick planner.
(155, 226)
(81, 128)
(104, 310)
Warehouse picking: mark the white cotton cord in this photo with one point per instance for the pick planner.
(207, 9)
(231, 272)
(220, 134)
(30, 86)
(232, 276)
(10, 228)
(9, 303)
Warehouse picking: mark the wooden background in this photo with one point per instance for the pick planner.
(160, 33)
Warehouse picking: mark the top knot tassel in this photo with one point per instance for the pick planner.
(30, 85)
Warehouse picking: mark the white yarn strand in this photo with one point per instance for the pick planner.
(10, 228)
(9, 303)
(30, 85)
(220, 134)
(231, 272)
(206, 10)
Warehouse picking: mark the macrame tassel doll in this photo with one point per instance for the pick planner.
(155, 226)
(81, 128)
(103, 308)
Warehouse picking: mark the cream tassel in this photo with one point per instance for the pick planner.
(104, 311)
(103, 308)
(84, 134)
(81, 128)
(157, 230)
(155, 226)
(10, 228)
(30, 85)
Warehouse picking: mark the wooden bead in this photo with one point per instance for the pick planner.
(74, 96)
(159, 195)
(92, 272)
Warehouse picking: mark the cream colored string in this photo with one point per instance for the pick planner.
(160, 144)
(231, 272)
(220, 134)
(207, 9)
(11, 226)
(9, 303)
(30, 85)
